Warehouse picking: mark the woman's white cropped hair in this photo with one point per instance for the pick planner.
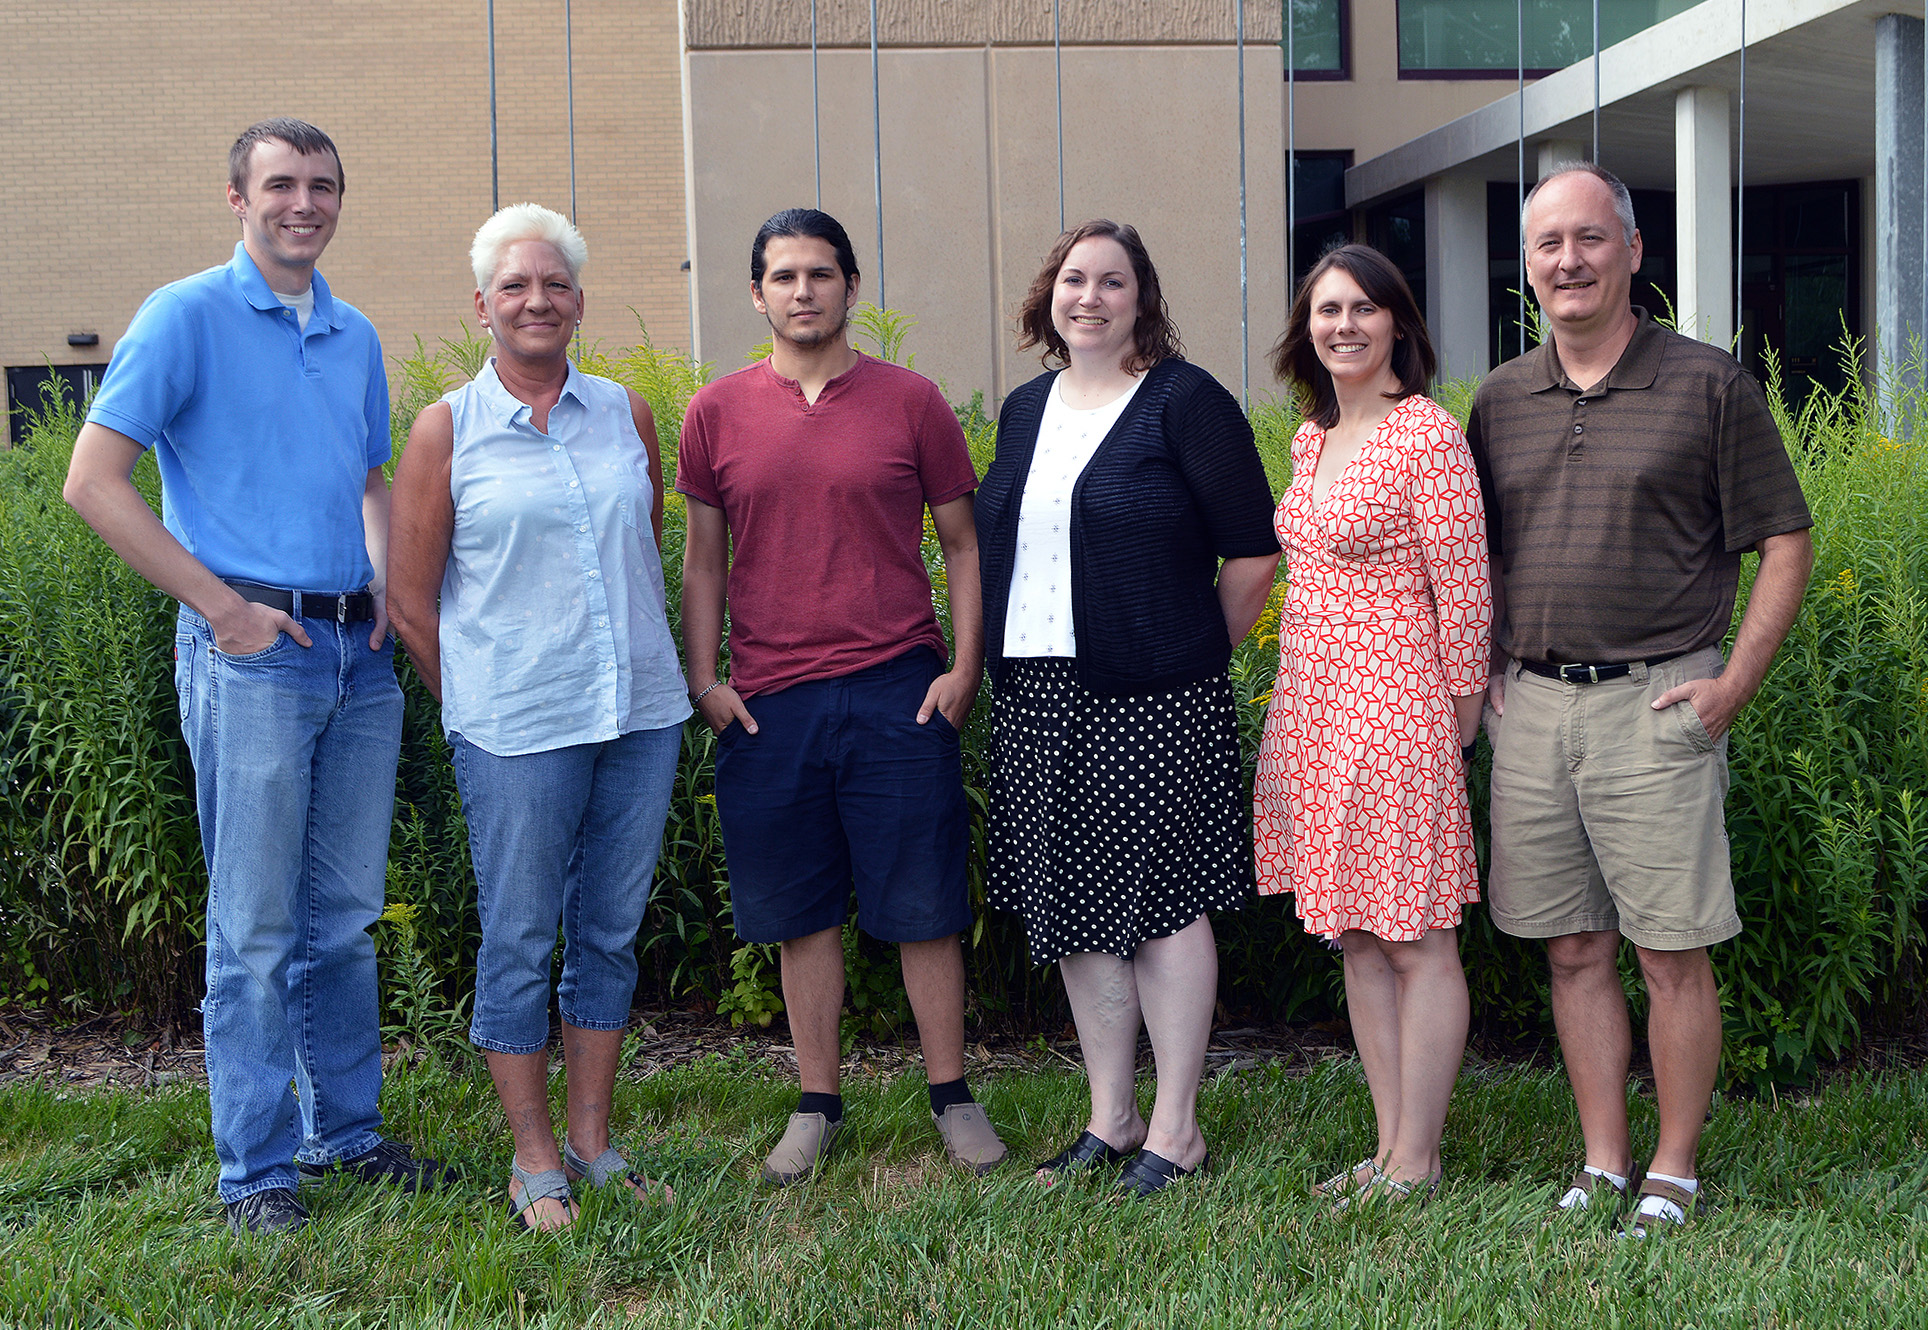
(525, 221)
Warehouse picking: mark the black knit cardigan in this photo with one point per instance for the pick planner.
(1173, 488)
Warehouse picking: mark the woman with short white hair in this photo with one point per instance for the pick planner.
(525, 578)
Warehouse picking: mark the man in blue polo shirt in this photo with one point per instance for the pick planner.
(265, 401)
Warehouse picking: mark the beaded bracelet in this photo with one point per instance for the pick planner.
(698, 699)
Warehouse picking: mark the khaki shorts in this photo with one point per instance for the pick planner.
(1608, 814)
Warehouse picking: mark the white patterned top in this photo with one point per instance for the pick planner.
(1037, 619)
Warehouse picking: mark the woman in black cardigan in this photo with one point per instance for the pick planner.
(1117, 815)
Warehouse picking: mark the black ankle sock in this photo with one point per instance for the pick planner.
(948, 1093)
(830, 1105)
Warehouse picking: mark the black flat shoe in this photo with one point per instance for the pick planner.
(1085, 1152)
(1149, 1173)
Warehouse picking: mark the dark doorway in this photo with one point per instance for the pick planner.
(28, 386)
(1800, 282)
(1323, 220)
(1397, 229)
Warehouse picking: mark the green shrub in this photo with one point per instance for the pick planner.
(102, 889)
(101, 896)
(1830, 762)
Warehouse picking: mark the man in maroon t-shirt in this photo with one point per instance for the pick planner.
(837, 753)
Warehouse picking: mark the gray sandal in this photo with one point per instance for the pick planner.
(549, 1184)
(608, 1167)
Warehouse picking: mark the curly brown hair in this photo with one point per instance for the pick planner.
(1296, 360)
(1154, 335)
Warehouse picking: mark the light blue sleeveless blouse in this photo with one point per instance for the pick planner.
(554, 630)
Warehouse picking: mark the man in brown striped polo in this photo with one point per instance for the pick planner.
(1626, 470)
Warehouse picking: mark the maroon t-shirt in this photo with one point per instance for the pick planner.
(825, 504)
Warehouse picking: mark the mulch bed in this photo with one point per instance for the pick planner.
(124, 1050)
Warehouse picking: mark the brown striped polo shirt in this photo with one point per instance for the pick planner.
(1617, 516)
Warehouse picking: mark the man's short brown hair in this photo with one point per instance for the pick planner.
(303, 137)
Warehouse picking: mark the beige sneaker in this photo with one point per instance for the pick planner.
(969, 1138)
(805, 1142)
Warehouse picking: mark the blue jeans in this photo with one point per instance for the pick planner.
(294, 776)
(565, 836)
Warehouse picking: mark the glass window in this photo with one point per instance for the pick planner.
(1475, 36)
(1398, 230)
(1321, 219)
(1800, 281)
(1319, 38)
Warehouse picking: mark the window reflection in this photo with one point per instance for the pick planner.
(1453, 36)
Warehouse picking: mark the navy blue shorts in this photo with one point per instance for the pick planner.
(839, 786)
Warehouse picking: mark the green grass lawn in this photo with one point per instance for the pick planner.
(1819, 1216)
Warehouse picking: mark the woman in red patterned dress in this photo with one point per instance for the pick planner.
(1361, 807)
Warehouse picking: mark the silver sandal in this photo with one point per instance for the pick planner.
(549, 1184)
(1385, 1187)
(1347, 1179)
(608, 1167)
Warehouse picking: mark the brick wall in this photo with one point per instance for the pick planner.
(115, 120)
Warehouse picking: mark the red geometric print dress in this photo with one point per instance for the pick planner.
(1360, 804)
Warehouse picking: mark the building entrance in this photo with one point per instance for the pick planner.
(1800, 282)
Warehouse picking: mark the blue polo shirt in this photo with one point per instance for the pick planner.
(264, 435)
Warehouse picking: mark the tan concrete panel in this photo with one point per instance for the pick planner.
(971, 188)
(786, 23)
(1151, 139)
(751, 116)
(117, 119)
(722, 24)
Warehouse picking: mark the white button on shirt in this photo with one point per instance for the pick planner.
(1037, 619)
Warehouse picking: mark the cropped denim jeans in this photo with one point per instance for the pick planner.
(294, 772)
(564, 837)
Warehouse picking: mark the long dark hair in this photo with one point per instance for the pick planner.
(1296, 360)
(1154, 335)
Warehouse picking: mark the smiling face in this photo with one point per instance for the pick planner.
(1578, 259)
(532, 305)
(1352, 336)
(804, 293)
(1094, 303)
(288, 211)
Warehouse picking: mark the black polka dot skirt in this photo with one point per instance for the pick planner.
(1113, 819)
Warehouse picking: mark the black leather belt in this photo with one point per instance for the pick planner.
(348, 607)
(1592, 673)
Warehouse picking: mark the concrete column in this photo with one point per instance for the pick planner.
(1704, 215)
(1898, 260)
(1557, 152)
(1456, 289)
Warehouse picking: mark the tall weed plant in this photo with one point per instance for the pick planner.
(103, 887)
(1830, 762)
